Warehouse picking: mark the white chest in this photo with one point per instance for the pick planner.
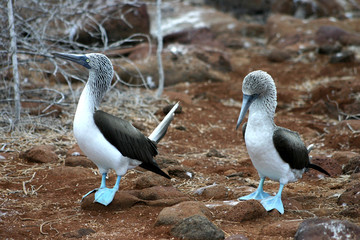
(262, 151)
(92, 142)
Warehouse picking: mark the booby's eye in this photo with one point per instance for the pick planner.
(87, 60)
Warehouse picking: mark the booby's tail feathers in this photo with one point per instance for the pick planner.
(318, 168)
(154, 168)
(161, 129)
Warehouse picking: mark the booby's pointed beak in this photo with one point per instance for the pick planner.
(81, 59)
(247, 101)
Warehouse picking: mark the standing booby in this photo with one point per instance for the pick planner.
(110, 142)
(276, 153)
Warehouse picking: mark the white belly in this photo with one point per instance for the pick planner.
(263, 154)
(93, 143)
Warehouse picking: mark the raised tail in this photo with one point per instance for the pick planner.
(161, 129)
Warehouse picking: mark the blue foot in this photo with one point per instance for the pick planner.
(258, 194)
(274, 202)
(105, 195)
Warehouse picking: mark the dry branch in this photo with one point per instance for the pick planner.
(13, 54)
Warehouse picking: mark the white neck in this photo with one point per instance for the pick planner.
(85, 108)
(261, 115)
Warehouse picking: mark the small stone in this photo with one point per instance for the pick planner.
(245, 210)
(82, 161)
(343, 57)
(40, 154)
(174, 214)
(351, 196)
(324, 228)
(150, 179)
(197, 228)
(215, 153)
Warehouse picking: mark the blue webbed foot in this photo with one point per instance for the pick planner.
(258, 194)
(274, 202)
(105, 195)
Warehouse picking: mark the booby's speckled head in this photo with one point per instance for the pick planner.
(92, 61)
(101, 72)
(257, 84)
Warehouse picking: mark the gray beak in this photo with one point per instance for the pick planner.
(77, 58)
(247, 101)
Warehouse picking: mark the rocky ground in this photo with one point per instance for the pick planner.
(315, 65)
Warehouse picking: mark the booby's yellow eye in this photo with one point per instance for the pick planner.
(87, 60)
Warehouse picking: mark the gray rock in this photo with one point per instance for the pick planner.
(323, 228)
(197, 228)
(175, 214)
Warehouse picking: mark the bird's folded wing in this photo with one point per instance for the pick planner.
(291, 148)
(125, 137)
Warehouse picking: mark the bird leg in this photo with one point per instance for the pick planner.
(258, 194)
(274, 202)
(102, 185)
(105, 195)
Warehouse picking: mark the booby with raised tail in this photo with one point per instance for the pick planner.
(110, 142)
(276, 153)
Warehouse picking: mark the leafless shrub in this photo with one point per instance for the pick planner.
(43, 27)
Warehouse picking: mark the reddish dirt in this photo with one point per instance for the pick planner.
(51, 207)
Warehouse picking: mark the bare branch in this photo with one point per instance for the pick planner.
(159, 49)
(13, 53)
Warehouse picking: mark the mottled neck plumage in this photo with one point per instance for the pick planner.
(267, 101)
(97, 85)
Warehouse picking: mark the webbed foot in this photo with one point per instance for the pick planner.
(273, 203)
(257, 195)
(105, 195)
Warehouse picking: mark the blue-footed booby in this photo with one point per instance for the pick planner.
(276, 153)
(110, 142)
